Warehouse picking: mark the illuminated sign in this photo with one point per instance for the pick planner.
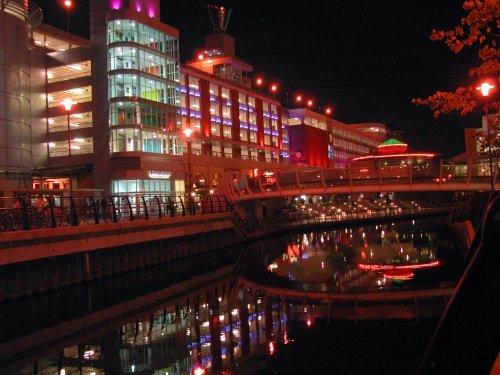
(159, 174)
(269, 178)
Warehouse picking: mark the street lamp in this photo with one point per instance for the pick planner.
(274, 89)
(187, 132)
(68, 104)
(298, 100)
(259, 82)
(485, 89)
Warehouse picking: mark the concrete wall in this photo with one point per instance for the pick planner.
(40, 260)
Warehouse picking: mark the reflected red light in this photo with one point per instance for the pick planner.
(272, 348)
(363, 255)
(198, 370)
(383, 267)
(404, 274)
(285, 338)
(309, 322)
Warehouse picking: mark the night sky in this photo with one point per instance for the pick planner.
(368, 58)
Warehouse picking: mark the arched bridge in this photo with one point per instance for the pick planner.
(319, 181)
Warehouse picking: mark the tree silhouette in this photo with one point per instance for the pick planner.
(478, 29)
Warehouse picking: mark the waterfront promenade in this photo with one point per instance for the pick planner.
(35, 244)
(38, 260)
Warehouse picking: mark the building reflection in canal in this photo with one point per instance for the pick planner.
(365, 258)
(176, 317)
(210, 332)
(214, 334)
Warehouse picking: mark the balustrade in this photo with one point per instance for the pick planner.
(407, 177)
(34, 211)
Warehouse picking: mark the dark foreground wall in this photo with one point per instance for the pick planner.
(37, 273)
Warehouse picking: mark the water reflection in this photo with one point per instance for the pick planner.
(199, 329)
(212, 334)
(204, 335)
(195, 315)
(363, 259)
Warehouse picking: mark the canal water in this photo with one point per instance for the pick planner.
(200, 314)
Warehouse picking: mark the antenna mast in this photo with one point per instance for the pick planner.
(218, 18)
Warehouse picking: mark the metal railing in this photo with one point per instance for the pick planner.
(32, 13)
(34, 211)
(434, 177)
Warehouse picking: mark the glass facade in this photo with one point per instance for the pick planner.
(148, 187)
(144, 98)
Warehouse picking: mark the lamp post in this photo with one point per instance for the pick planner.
(274, 89)
(187, 132)
(68, 104)
(259, 83)
(298, 100)
(68, 4)
(485, 89)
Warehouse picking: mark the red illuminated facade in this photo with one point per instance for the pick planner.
(318, 140)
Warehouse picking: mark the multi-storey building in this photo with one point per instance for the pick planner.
(139, 120)
(321, 141)
(481, 148)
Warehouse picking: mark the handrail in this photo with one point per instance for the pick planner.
(317, 180)
(32, 14)
(34, 211)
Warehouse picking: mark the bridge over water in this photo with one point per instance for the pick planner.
(281, 182)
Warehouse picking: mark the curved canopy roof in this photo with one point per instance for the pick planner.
(394, 148)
